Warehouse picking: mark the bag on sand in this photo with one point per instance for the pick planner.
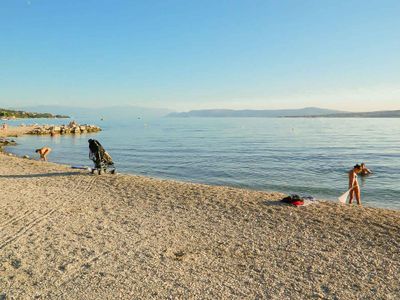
(294, 199)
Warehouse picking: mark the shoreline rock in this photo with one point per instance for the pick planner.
(6, 142)
(71, 128)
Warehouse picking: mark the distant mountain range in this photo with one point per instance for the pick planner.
(248, 113)
(308, 112)
(111, 112)
(373, 114)
(124, 112)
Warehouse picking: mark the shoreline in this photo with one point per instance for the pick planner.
(203, 184)
(283, 194)
(68, 234)
(18, 131)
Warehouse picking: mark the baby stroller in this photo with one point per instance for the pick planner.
(102, 160)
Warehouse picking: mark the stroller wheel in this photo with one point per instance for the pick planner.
(113, 171)
(100, 171)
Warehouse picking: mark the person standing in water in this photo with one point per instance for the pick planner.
(364, 170)
(353, 184)
(43, 152)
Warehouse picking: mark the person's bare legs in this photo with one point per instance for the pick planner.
(46, 152)
(351, 196)
(357, 193)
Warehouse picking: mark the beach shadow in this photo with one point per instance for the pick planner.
(284, 204)
(275, 203)
(43, 175)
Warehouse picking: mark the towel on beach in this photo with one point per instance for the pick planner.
(297, 200)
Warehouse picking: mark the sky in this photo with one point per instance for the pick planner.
(183, 55)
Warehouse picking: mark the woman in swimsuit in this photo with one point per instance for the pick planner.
(353, 184)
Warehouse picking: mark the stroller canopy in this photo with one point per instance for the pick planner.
(98, 153)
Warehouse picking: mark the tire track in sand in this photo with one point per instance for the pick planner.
(33, 223)
(15, 219)
(85, 267)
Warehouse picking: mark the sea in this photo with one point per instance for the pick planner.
(304, 156)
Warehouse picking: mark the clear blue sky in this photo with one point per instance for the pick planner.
(201, 54)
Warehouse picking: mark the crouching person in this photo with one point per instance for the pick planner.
(43, 152)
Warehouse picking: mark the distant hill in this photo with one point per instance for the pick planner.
(20, 114)
(229, 113)
(373, 114)
(111, 112)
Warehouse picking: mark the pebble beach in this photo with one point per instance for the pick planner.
(66, 234)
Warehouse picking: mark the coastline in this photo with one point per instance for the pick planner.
(66, 235)
(14, 131)
(257, 165)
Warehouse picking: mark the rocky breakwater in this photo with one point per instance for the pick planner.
(71, 128)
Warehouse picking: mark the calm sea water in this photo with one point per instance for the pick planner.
(303, 156)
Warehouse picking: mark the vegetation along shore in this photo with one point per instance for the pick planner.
(9, 114)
